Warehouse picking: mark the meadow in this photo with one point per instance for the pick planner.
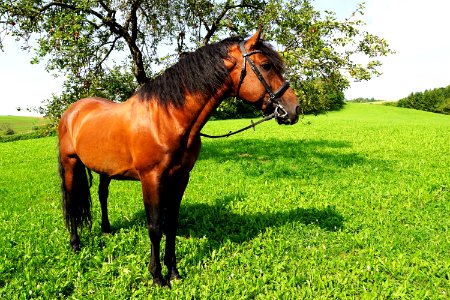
(20, 128)
(20, 124)
(351, 204)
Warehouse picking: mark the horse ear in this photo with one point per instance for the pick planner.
(251, 43)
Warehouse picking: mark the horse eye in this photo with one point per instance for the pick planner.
(267, 66)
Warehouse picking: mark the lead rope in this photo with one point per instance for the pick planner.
(252, 125)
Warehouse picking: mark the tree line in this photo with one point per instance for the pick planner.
(435, 100)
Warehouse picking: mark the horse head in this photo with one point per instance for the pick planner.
(256, 75)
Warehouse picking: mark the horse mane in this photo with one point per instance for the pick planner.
(202, 71)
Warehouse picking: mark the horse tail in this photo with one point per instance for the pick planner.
(76, 203)
(90, 177)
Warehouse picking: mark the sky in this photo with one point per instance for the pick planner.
(417, 30)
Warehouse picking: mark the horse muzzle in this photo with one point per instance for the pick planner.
(284, 115)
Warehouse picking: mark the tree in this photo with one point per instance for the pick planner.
(87, 40)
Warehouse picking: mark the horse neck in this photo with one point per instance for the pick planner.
(201, 109)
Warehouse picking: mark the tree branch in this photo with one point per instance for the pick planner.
(132, 19)
(109, 20)
(116, 28)
(69, 6)
(106, 7)
(113, 44)
(215, 24)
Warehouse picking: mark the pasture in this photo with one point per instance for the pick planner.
(352, 204)
(20, 124)
(16, 128)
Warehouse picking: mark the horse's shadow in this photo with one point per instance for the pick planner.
(218, 224)
(276, 158)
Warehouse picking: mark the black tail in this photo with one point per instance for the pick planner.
(77, 204)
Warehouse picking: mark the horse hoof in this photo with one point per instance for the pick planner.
(160, 281)
(76, 248)
(173, 276)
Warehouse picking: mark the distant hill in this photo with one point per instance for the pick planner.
(17, 128)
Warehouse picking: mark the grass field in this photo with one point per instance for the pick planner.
(352, 204)
(13, 128)
(20, 125)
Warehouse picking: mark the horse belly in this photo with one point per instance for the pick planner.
(106, 159)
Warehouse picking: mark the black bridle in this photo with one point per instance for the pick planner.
(274, 97)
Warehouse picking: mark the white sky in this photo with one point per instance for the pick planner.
(417, 30)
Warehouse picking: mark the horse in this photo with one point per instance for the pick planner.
(154, 136)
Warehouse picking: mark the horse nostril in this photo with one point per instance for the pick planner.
(297, 110)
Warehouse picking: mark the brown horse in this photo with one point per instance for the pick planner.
(154, 136)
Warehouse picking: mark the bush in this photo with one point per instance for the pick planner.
(234, 108)
(319, 96)
(116, 85)
(9, 131)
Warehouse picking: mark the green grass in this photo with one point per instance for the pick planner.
(20, 124)
(14, 128)
(352, 204)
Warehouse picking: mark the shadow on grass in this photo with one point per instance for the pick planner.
(286, 158)
(220, 225)
(221, 149)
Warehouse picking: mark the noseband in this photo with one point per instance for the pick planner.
(274, 97)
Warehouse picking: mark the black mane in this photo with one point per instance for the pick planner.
(202, 71)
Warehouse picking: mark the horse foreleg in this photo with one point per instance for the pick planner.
(103, 197)
(151, 193)
(174, 190)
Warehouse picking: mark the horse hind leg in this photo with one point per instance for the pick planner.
(103, 193)
(76, 198)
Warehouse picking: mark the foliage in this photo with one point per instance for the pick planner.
(234, 108)
(435, 100)
(84, 39)
(319, 51)
(322, 96)
(354, 205)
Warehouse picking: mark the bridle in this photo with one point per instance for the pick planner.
(274, 97)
